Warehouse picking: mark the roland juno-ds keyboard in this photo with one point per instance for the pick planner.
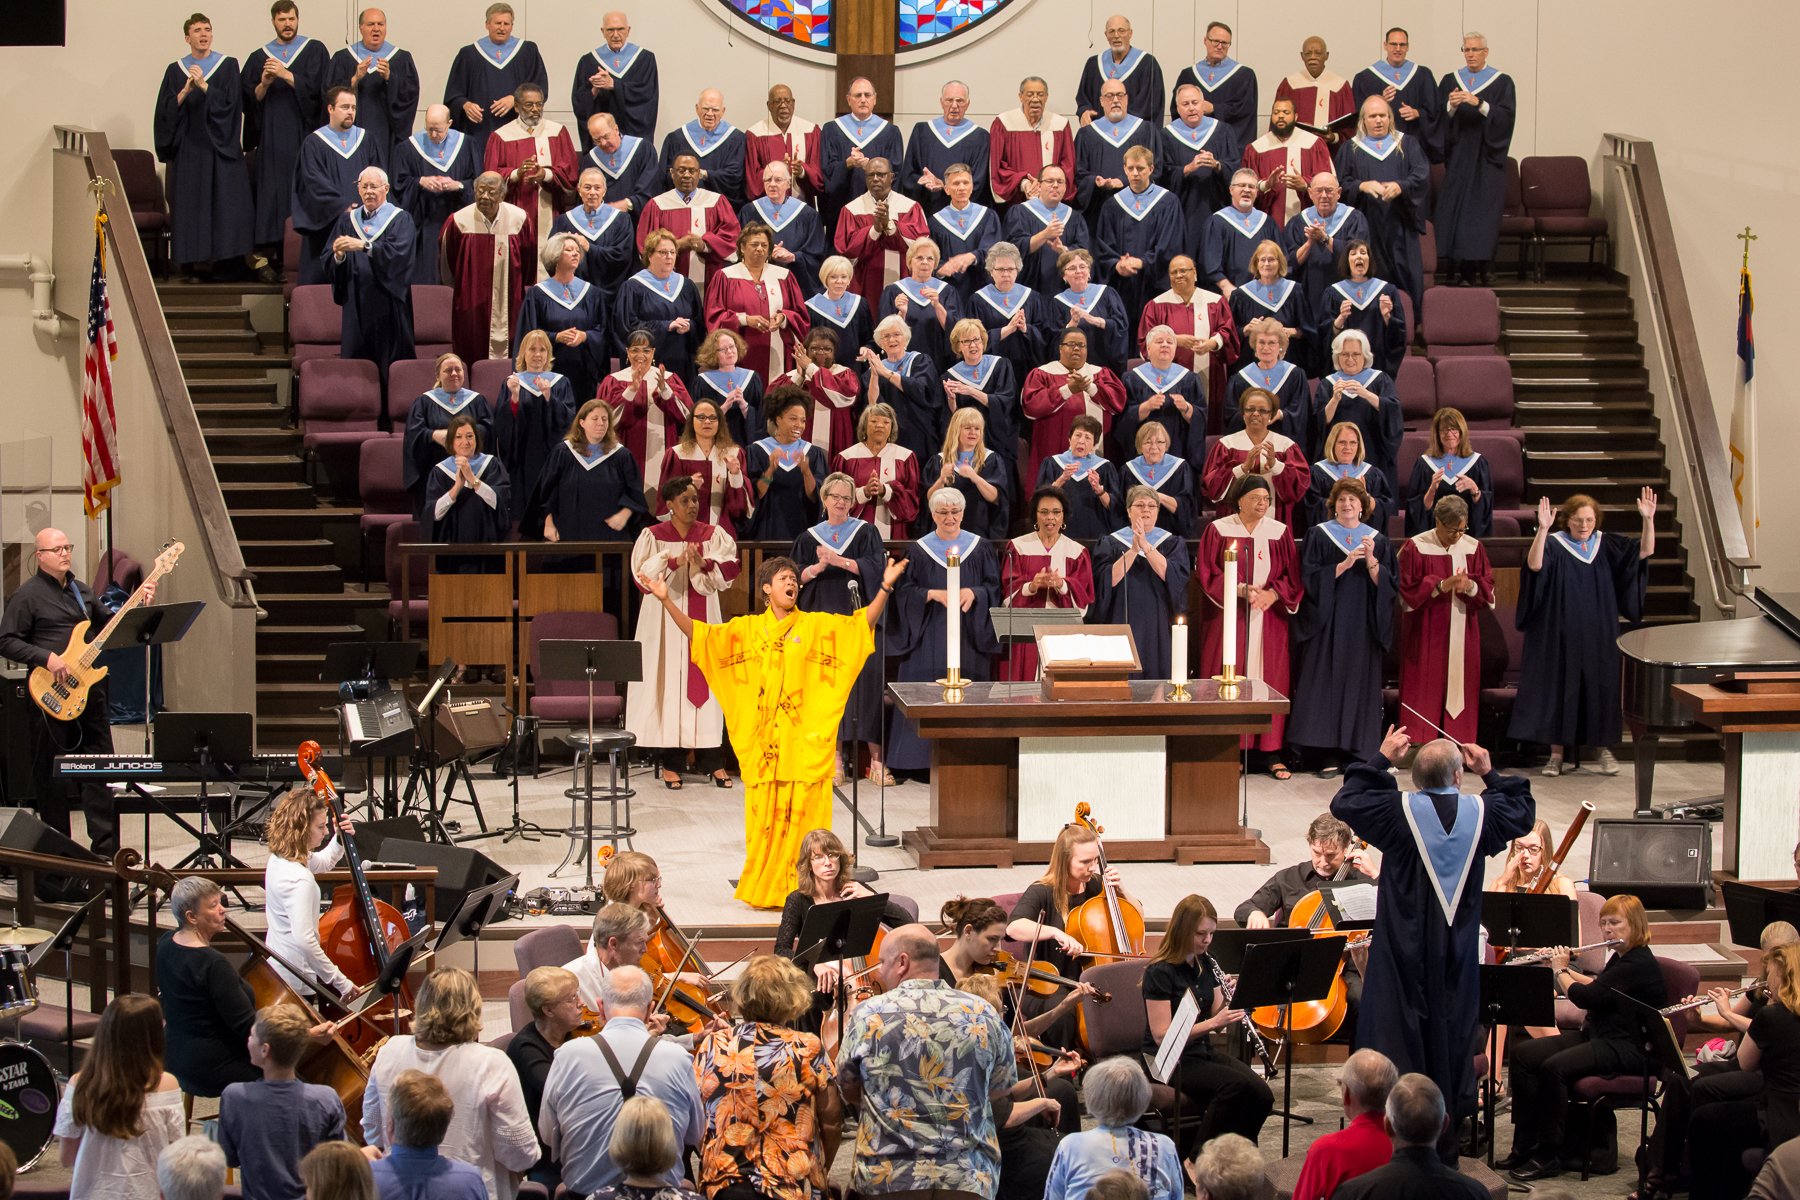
(129, 768)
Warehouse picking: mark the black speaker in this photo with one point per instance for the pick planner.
(17, 787)
(20, 830)
(371, 836)
(1666, 864)
(460, 871)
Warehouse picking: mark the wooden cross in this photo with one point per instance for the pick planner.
(1746, 237)
(864, 34)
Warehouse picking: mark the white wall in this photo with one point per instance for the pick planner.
(1580, 71)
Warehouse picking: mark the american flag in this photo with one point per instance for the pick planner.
(99, 435)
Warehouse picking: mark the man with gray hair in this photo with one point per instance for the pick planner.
(1023, 141)
(191, 1169)
(369, 264)
(1421, 988)
(1479, 106)
(621, 934)
(939, 144)
(1229, 1168)
(1362, 1145)
(1417, 1122)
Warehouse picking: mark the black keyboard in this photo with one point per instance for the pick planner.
(130, 768)
(371, 726)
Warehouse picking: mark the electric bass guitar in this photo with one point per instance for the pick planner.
(66, 701)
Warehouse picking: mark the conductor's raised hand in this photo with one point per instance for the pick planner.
(1476, 760)
(896, 567)
(1395, 743)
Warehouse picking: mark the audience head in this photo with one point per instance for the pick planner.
(1782, 968)
(626, 992)
(909, 952)
(1367, 1078)
(198, 904)
(190, 1169)
(1415, 1111)
(419, 1110)
(298, 824)
(771, 991)
(1623, 917)
(1116, 1091)
(643, 1139)
(447, 1009)
(621, 931)
(550, 988)
(1229, 1168)
(1119, 1184)
(337, 1171)
(124, 1063)
(280, 1034)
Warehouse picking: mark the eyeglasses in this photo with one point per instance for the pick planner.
(705, 417)
(64, 549)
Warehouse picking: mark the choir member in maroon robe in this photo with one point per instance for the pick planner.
(649, 403)
(1270, 370)
(703, 222)
(632, 171)
(1138, 235)
(1100, 147)
(369, 263)
(716, 144)
(386, 82)
(486, 74)
(964, 462)
(608, 241)
(1343, 457)
(1206, 334)
(487, 251)
(1409, 89)
(1044, 228)
(1269, 593)
(965, 232)
(1141, 575)
(1480, 105)
(724, 377)
(1322, 99)
(198, 136)
(1043, 569)
(977, 379)
(941, 142)
(1317, 238)
(927, 304)
(835, 391)
(1285, 159)
(1359, 300)
(665, 303)
(1137, 69)
(1084, 303)
(794, 224)
(536, 157)
(784, 138)
(434, 176)
(531, 414)
(1024, 140)
(1197, 155)
(1017, 318)
(1268, 294)
(283, 98)
(1386, 175)
(1089, 483)
(906, 381)
(1056, 392)
(1445, 580)
(1357, 392)
(1232, 235)
(842, 311)
(761, 302)
(1160, 391)
(1229, 87)
(874, 230)
(1256, 449)
(707, 453)
(1450, 467)
(617, 78)
(324, 180)
(848, 145)
(572, 311)
(886, 473)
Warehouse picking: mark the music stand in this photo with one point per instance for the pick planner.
(1016, 625)
(224, 741)
(1287, 973)
(592, 659)
(1662, 1056)
(1748, 909)
(149, 626)
(369, 662)
(836, 931)
(479, 908)
(1510, 996)
(1515, 919)
(64, 940)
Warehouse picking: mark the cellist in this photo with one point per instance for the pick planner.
(301, 844)
(632, 877)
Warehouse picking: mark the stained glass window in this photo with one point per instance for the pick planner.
(925, 21)
(918, 22)
(807, 22)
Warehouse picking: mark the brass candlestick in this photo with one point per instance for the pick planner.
(953, 684)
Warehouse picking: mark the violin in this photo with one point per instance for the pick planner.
(667, 955)
(1039, 977)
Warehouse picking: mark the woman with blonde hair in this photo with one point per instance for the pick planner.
(841, 311)
(965, 463)
(724, 379)
(492, 1127)
(337, 1171)
(531, 413)
(644, 1148)
(986, 382)
(121, 1109)
(928, 305)
(553, 997)
(1345, 457)
(1450, 467)
(301, 844)
(1527, 858)
(1270, 295)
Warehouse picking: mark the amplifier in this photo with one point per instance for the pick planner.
(467, 727)
(1666, 864)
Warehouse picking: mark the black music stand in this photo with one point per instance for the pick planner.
(149, 626)
(212, 741)
(368, 663)
(836, 931)
(594, 660)
(1515, 919)
(1510, 996)
(1287, 973)
(1749, 908)
(1662, 1056)
(1228, 947)
(479, 908)
(426, 763)
(64, 940)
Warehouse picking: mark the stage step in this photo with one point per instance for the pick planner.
(260, 553)
(251, 468)
(199, 318)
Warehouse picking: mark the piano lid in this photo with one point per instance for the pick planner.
(1783, 609)
(1741, 644)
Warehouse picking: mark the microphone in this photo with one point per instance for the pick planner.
(855, 594)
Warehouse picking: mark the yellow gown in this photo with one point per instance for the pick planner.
(783, 685)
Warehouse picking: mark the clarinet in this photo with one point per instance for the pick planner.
(1251, 1033)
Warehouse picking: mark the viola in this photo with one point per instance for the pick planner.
(1039, 977)
(668, 954)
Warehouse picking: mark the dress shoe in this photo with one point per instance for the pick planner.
(1518, 1158)
(1537, 1168)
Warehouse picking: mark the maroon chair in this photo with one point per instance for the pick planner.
(1461, 321)
(291, 250)
(406, 619)
(1413, 444)
(564, 701)
(385, 501)
(339, 401)
(408, 379)
(1408, 316)
(1506, 465)
(1558, 199)
(149, 206)
(547, 946)
(315, 324)
(1479, 388)
(431, 320)
(1416, 384)
(488, 376)
(1516, 224)
(1428, 255)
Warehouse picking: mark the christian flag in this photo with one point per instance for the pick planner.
(1743, 411)
(99, 436)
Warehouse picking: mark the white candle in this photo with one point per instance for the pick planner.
(1230, 597)
(953, 613)
(1178, 651)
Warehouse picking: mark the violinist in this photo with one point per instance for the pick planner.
(632, 877)
(621, 935)
(553, 996)
(1525, 859)
(301, 844)
(1233, 1099)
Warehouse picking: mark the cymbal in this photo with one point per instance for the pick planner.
(24, 935)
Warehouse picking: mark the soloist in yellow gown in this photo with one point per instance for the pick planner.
(783, 685)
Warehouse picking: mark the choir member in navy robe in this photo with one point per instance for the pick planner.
(532, 413)
(1270, 295)
(1357, 392)
(1089, 483)
(1346, 625)
(782, 137)
(1018, 318)
(284, 100)
(1479, 104)
(794, 225)
(1024, 141)
(1450, 467)
(1171, 476)
(1206, 334)
(842, 311)
(591, 491)
(1371, 306)
(468, 498)
(369, 262)
(1094, 308)
(965, 232)
(1141, 579)
(572, 311)
(985, 479)
(723, 378)
(632, 172)
(832, 555)
(1577, 583)
(1044, 228)
(1100, 150)
(848, 144)
(1343, 458)
(197, 135)
(485, 74)
(920, 626)
(1160, 391)
(939, 144)
(608, 240)
(1421, 989)
(1271, 371)
(488, 249)
(785, 469)
(1316, 238)
(325, 177)
(1387, 176)
(716, 144)
(428, 421)
(1139, 233)
(617, 77)
(983, 381)
(1409, 89)
(1137, 69)
(666, 304)
(927, 304)
(1228, 85)
(1198, 156)
(906, 381)
(434, 176)
(385, 80)
(1233, 233)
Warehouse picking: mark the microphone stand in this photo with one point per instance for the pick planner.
(858, 872)
(883, 839)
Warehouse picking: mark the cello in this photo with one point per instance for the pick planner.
(1313, 1021)
(358, 932)
(1110, 926)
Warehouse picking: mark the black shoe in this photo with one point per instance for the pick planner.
(1518, 1158)
(1537, 1168)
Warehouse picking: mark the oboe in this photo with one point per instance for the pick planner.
(1254, 1036)
(1541, 955)
(1703, 1001)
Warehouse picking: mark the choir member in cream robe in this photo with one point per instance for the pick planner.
(385, 80)
(835, 392)
(487, 251)
(1137, 69)
(1387, 176)
(629, 163)
(434, 176)
(1043, 569)
(705, 227)
(1024, 140)
(673, 711)
(649, 404)
(617, 78)
(1361, 301)
(1445, 580)
(485, 76)
(848, 144)
(1408, 88)
(1056, 392)
(1229, 87)
(942, 142)
(1198, 156)
(874, 230)
(794, 225)
(536, 156)
(607, 235)
(283, 94)
(761, 302)
(1256, 449)
(782, 137)
(1285, 159)
(977, 379)
(716, 463)
(886, 473)
(1450, 467)
(1232, 234)
(1206, 334)
(1322, 99)
(1141, 577)
(532, 413)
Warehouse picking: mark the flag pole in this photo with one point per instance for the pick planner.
(97, 187)
(1746, 297)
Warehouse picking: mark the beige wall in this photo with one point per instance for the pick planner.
(1578, 69)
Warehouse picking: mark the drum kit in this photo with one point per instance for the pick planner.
(28, 1084)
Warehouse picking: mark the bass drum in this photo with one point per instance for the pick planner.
(27, 1102)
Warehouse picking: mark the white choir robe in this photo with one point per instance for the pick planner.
(485, 262)
(733, 297)
(1319, 102)
(542, 198)
(1017, 148)
(765, 143)
(835, 392)
(703, 212)
(673, 707)
(880, 259)
(1304, 153)
(898, 469)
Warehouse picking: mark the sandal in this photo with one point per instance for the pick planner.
(885, 779)
(672, 780)
(1279, 770)
(721, 779)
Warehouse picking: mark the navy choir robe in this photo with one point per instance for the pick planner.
(325, 189)
(1346, 625)
(1230, 87)
(1285, 301)
(633, 97)
(612, 244)
(796, 227)
(646, 302)
(1287, 382)
(876, 137)
(553, 306)
(419, 158)
(632, 172)
(970, 230)
(1146, 225)
(1318, 270)
(529, 423)
(829, 591)
(920, 628)
(386, 105)
(430, 413)
(739, 395)
(766, 142)
(1026, 346)
(936, 146)
(1141, 600)
(784, 511)
(1204, 314)
(1395, 226)
(1110, 344)
(1227, 240)
(1100, 154)
(721, 154)
(275, 125)
(984, 519)
(481, 73)
(1093, 499)
(1025, 221)
(1187, 435)
(1139, 71)
(1173, 480)
(1414, 86)
(1382, 424)
(849, 321)
(579, 491)
(1476, 140)
(1454, 467)
(918, 401)
(1202, 188)
(1387, 335)
(479, 514)
(210, 216)
(1316, 510)
(374, 286)
(930, 336)
(1569, 611)
(994, 376)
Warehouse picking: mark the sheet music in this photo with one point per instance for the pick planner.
(1355, 902)
(1094, 648)
(1690, 952)
(1175, 1040)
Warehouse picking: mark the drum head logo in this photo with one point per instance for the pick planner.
(34, 1101)
(8, 1112)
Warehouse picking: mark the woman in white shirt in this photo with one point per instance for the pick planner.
(122, 1109)
(300, 822)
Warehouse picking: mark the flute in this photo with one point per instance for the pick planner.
(1703, 1001)
(1541, 955)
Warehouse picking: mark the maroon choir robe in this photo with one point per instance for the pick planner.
(1016, 149)
(486, 264)
(1051, 407)
(835, 392)
(1026, 555)
(1203, 315)
(1318, 103)
(705, 213)
(648, 417)
(1440, 636)
(1266, 558)
(880, 259)
(1291, 475)
(733, 297)
(1302, 152)
(765, 144)
(725, 496)
(898, 469)
(546, 196)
